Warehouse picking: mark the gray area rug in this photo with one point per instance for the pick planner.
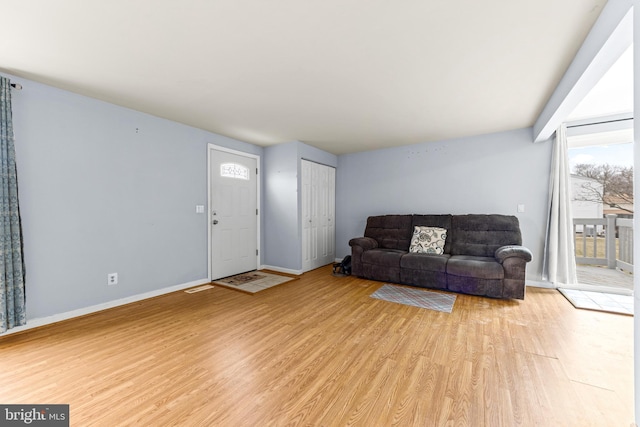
(416, 297)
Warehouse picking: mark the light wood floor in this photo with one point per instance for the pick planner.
(320, 352)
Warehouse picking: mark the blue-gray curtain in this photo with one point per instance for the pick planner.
(12, 295)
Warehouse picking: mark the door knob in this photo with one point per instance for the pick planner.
(215, 221)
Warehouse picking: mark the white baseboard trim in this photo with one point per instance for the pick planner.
(42, 321)
(281, 270)
(536, 284)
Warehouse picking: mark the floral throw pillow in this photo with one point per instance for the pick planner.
(428, 240)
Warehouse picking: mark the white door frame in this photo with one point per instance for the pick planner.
(211, 147)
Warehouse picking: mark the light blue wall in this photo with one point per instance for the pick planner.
(107, 189)
(481, 174)
(282, 248)
(314, 154)
(283, 234)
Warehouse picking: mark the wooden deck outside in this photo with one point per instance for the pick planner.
(602, 276)
(594, 254)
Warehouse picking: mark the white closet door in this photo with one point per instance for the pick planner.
(318, 215)
(308, 254)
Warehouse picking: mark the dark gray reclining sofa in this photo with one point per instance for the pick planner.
(482, 254)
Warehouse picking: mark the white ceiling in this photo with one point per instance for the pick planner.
(344, 76)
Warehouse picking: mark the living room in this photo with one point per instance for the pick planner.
(107, 188)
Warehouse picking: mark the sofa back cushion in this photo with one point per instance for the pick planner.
(390, 231)
(442, 221)
(481, 235)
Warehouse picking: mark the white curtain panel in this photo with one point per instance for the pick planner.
(559, 260)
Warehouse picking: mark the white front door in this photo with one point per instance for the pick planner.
(233, 213)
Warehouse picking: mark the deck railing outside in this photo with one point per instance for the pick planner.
(604, 241)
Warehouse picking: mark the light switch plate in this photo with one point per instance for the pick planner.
(199, 208)
(520, 208)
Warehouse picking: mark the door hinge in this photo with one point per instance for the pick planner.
(256, 252)
(256, 211)
(256, 171)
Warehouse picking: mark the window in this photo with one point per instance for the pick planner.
(234, 170)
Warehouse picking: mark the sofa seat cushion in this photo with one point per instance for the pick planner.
(383, 257)
(425, 262)
(475, 266)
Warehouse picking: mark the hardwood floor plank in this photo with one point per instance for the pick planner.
(320, 351)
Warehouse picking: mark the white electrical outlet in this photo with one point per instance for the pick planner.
(112, 279)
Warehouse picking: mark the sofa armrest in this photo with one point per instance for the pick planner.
(505, 252)
(365, 243)
(359, 245)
